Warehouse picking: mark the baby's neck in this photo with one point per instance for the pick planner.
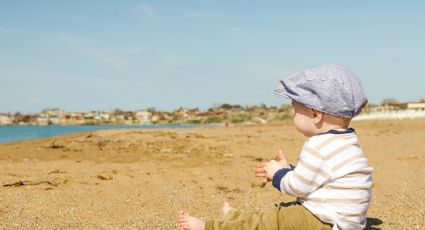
(325, 128)
(333, 125)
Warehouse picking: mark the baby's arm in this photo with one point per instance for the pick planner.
(311, 173)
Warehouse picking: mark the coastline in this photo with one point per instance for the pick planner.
(140, 178)
(12, 133)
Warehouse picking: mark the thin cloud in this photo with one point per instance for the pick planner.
(133, 50)
(147, 11)
(17, 32)
(233, 29)
(175, 61)
(202, 15)
(35, 74)
(94, 52)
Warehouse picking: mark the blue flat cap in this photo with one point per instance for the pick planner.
(333, 89)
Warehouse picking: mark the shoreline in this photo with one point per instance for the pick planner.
(10, 134)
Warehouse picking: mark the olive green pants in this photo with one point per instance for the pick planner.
(286, 216)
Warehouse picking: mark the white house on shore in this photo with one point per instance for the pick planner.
(416, 106)
(143, 117)
(54, 112)
(5, 119)
(405, 111)
(42, 119)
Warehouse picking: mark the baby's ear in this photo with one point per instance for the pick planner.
(317, 115)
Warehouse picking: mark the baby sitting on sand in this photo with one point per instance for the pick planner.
(332, 180)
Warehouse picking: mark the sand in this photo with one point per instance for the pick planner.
(139, 179)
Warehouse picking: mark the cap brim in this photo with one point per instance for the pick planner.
(282, 90)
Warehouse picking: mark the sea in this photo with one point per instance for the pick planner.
(19, 133)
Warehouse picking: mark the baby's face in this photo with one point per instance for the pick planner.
(303, 119)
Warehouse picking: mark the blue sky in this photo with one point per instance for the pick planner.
(101, 55)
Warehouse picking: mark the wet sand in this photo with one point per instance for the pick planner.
(139, 179)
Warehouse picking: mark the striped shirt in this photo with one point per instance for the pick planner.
(332, 179)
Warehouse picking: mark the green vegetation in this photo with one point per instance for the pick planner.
(214, 119)
(241, 117)
(195, 122)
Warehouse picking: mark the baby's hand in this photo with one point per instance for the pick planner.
(265, 171)
(282, 160)
(271, 168)
(261, 173)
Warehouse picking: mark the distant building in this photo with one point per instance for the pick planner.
(120, 117)
(42, 119)
(54, 120)
(393, 111)
(55, 112)
(155, 118)
(30, 119)
(143, 117)
(90, 116)
(416, 106)
(5, 119)
(104, 116)
(77, 116)
(73, 119)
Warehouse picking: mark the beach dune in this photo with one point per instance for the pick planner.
(140, 179)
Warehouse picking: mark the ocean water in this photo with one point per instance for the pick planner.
(18, 133)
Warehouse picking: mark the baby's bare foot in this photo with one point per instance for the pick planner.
(188, 222)
(226, 208)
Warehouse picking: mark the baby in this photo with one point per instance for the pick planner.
(332, 180)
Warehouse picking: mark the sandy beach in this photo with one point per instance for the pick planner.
(140, 179)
